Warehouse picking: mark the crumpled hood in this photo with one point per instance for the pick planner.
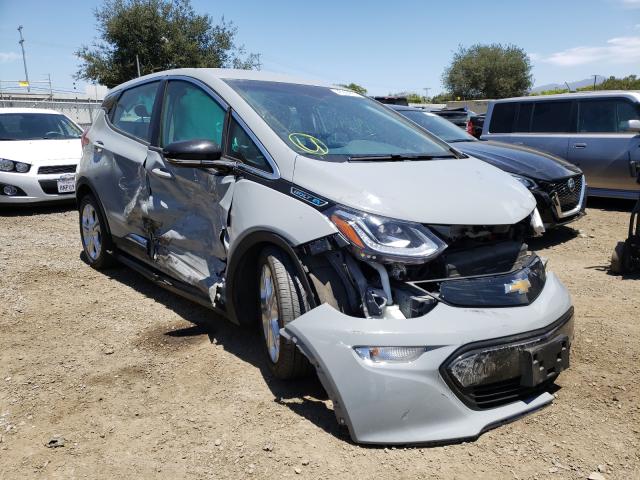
(448, 191)
(519, 159)
(40, 151)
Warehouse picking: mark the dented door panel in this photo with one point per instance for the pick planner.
(186, 219)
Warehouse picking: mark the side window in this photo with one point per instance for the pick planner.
(241, 147)
(523, 123)
(597, 116)
(502, 117)
(133, 110)
(551, 117)
(626, 111)
(189, 113)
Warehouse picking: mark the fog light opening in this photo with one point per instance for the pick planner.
(9, 190)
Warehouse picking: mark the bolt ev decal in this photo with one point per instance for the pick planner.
(307, 197)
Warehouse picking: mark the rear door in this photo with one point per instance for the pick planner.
(121, 148)
(545, 125)
(602, 147)
(188, 207)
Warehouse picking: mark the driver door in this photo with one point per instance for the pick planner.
(189, 207)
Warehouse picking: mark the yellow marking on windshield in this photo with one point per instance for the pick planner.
(308, 143)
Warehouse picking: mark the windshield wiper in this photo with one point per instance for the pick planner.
(396, 157)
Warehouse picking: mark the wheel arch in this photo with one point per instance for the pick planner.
(242, 281)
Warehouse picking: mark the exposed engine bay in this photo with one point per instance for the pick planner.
(481, 266)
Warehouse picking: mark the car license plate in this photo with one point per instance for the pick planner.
(67, 183)
(544, 362)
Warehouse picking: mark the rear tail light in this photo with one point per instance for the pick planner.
(83, 138)
(469, 127)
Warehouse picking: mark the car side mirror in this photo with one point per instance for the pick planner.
(196, 154)
(632, 126)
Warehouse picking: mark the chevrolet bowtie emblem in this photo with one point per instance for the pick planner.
(518, 286)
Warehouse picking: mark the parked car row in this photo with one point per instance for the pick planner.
(558, 186)
(597, 131)
(359, 244)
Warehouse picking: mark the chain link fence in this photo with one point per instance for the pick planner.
(82, 112)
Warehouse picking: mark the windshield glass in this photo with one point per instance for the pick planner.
(332, 123)
(438, 126)
(37, 126)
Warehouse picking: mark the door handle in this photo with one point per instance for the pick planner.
(162, 173)
(634, 169)
(579, 145)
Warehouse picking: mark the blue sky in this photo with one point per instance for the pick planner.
(385, 46)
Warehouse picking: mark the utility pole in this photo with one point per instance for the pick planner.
(24, 60)
(138, 64)
(594, 82)
(50, 87)
(426, 91)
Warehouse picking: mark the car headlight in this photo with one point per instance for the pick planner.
(7, 165)
(527, 182)
(386, 240)
(389, 354)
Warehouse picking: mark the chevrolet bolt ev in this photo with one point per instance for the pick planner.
(358, 244)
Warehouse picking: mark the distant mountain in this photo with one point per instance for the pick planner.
(573, 85)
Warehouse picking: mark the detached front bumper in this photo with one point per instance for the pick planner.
(399, 403)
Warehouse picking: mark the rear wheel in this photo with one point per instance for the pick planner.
(93, 232)
(282, 300)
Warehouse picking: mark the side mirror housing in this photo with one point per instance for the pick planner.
(632, 126)
(196, 154)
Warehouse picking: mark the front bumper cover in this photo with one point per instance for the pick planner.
(411, 402)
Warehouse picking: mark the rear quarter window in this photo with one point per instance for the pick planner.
(132, 113)
(502, 117)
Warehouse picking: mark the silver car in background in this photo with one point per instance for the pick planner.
(599, 132)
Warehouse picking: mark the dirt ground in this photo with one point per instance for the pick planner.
(143, 384)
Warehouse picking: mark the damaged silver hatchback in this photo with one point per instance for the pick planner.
(359, 245)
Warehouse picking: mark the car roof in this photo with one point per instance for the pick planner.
(28, 110)
(564, 96)
(405, 108)
(208, 74)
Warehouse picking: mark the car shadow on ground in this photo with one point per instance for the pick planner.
(553, 237)
(610, 204)
(306, 397)
(39, 209)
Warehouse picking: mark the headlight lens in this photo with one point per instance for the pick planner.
(389, 354)
(385, 239)
(527, 182)
(22, 167)
(7, 165)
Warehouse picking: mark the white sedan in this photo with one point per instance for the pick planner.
(39, 152)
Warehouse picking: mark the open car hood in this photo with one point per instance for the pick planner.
(445, 191)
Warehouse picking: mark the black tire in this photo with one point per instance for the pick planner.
(291, 301)
(98, 258)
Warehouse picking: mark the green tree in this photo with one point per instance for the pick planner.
(488, 71)
(632, 82)
(355, 88)
(163, 34)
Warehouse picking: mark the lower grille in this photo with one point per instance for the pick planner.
(50, 187)
(500, 393)
(57, 169)
(568, 197)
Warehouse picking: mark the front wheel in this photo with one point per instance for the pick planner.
(282, 300)
(93, 232)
